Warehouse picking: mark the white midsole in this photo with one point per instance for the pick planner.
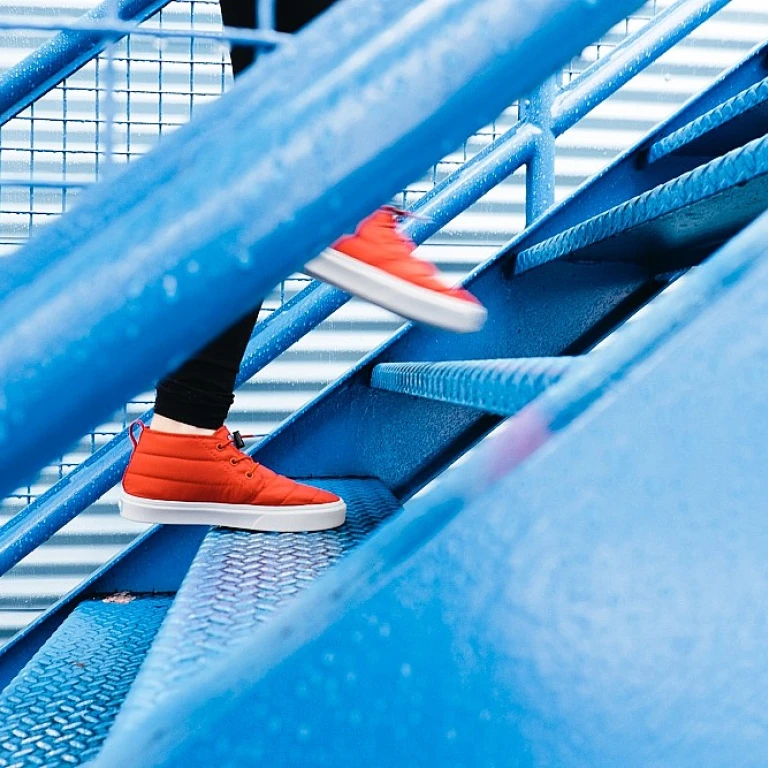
(395, 294)
(308, 517)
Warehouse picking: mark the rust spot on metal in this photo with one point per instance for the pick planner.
(120, 597)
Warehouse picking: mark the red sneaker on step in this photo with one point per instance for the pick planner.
(377, 264)
(207, 480)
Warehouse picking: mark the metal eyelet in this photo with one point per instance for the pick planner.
(233, 462)
(220, 447)
(249, 474)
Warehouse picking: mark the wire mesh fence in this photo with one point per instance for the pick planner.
(120, 105)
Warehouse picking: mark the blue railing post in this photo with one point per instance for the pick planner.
(266, 13)
(540, 171)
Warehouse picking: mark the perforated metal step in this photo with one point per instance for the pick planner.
(673, 225)
(496, 386)
(237, 580)
(732, 124)
(60, 707)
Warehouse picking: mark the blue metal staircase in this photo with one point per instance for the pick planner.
(533, 606)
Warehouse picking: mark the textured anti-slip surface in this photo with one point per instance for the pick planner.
(497, 386)
(748, 101)
(675, 208)
(237, 580)
(60, 707)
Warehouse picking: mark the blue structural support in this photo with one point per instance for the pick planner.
(540, 178)
(191, 254)
(572, 626)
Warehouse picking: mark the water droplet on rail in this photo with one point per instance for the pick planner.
(244, 257)
(170, 287)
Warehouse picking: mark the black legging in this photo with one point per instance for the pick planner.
(201, 392)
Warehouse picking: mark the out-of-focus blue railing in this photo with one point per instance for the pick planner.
(548, 112)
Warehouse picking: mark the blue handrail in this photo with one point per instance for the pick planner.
(70, 496)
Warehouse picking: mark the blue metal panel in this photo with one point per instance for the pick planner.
(59, 709)
(183, 256)
(44, 69)
(738, 120)
(497, 386)
(238, 581)
(577, 614)
(698, 209)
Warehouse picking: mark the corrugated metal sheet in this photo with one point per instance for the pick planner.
(158, 87)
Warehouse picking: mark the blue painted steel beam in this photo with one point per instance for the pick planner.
(540, 176)
(192, 255)
(495, 386)
(543, 581)
(46, 67)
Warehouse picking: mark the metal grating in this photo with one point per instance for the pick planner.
(64, 141)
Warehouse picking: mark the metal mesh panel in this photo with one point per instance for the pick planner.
(118, 106)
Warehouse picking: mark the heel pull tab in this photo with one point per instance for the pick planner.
(135, 440)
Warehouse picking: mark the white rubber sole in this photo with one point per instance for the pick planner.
(314, 517)
(396, 295)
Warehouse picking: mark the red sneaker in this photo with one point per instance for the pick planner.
(377, 264)
(207, 480)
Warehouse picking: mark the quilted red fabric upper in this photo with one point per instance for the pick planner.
(172, 467)
(378, 242)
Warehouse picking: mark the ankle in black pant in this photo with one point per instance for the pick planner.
(201, 391)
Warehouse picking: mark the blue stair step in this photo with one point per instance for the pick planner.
(735, 122)
(497, 386)
(237, 581)
(60, 707)
(673, 225)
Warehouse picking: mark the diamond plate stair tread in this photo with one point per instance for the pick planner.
(496, 386)
(744, 115)
(237, 580)
(702, 208)
(60, 707)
